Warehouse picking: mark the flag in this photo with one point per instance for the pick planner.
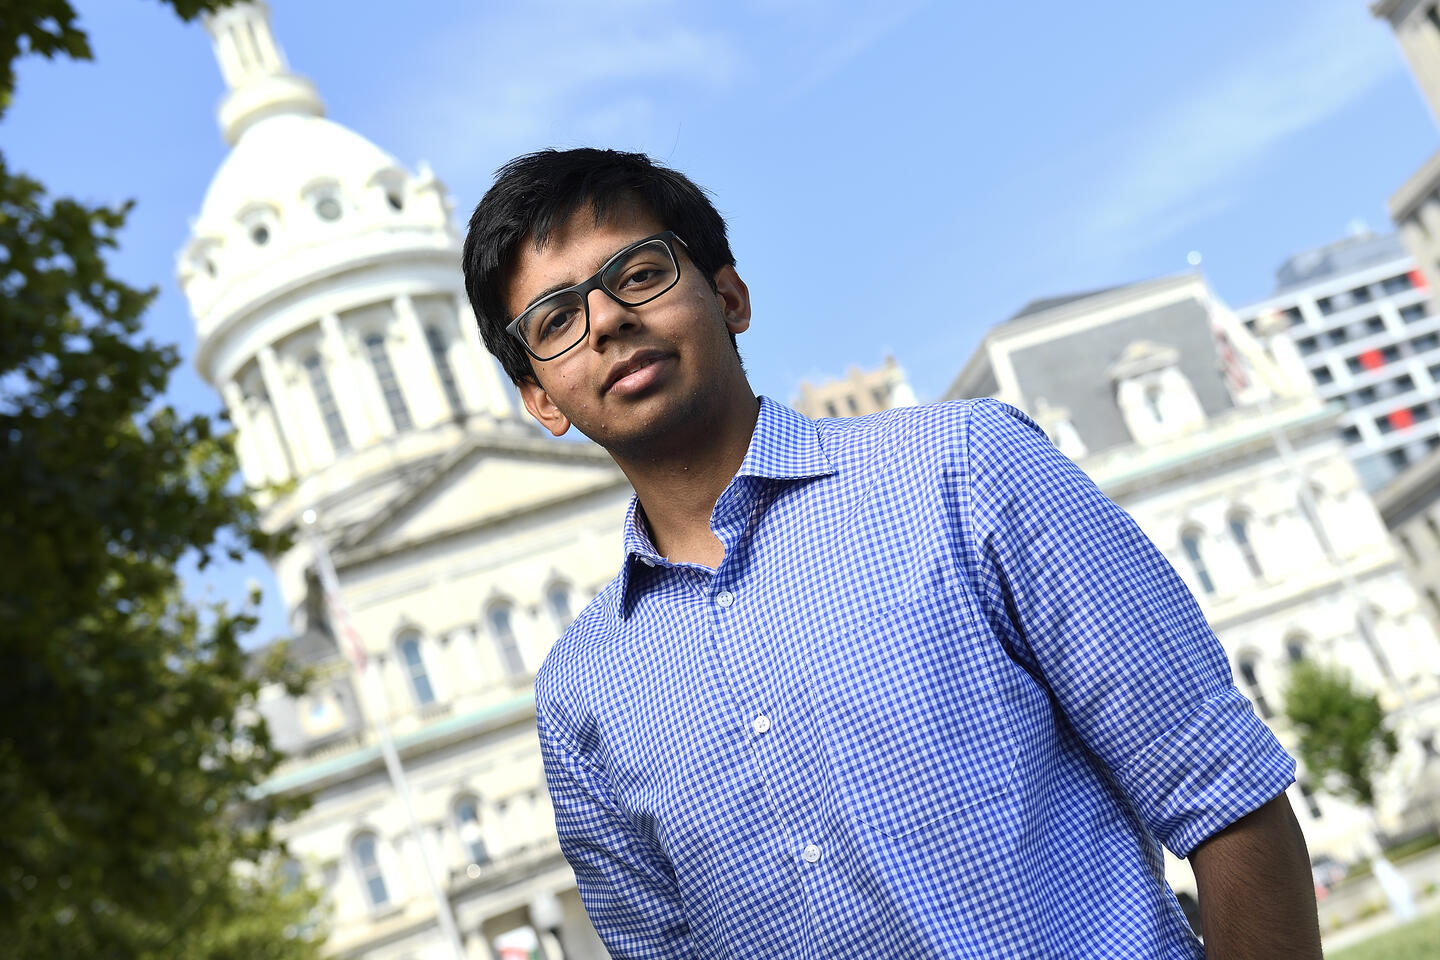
(1233, 367)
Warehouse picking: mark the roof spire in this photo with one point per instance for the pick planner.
(259, 80)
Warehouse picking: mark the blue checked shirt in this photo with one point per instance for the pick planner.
(942, 698)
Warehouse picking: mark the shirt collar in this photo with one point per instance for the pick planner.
(784, 446)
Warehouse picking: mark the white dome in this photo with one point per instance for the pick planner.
(279, 159)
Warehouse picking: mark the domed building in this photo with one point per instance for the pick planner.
(325, 284)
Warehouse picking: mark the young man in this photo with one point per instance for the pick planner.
(901, 686)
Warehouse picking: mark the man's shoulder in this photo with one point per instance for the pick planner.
(905, 433)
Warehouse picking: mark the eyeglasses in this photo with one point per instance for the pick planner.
(637, 274)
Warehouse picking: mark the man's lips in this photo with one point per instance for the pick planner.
(634, 373)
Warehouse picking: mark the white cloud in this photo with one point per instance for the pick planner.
(1174, 166)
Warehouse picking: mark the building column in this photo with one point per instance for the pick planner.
(345, 382)
(429, 403)
(288, 416)
(497, 391)
(252, 464)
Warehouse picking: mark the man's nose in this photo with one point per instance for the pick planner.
(607, 317)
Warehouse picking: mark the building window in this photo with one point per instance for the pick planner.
(1295, 649)
(467, 822)
(1337, 336)
(1191, 542)
(389, 386)
(1351, 434)
(1152, 401)
(415, 668)
(325, 400)
(1432, 13)
(1398, 458)
(1323, 376)
(1239, 530)
(1360, 295)
(1413, 313)
(557, 598)
(1434, 599)
(441, 358)
(1408, 547)
(1426, 341)
(1364, 395)
(1326, 305)
(1374, 325)
(1392, 353)
(1306, 345)
(365, 849)
(1432, 527)
(503, 630)
(1403, 383)
(1252, 687)
(830, 409)
(1396, 284)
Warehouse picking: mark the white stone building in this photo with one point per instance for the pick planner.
(325, 285)
(1128, 383)
(857, 393)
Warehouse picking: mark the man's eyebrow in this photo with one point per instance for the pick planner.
(562, 285)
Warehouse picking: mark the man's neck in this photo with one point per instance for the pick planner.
(678, 489)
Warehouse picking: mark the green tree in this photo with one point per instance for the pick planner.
(128, 747)
(1343, 741)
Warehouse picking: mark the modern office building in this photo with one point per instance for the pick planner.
(1359, 316)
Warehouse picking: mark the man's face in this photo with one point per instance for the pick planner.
(645, 378)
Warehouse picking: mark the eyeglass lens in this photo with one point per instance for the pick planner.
(557, 323)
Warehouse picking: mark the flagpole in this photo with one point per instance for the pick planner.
(340, 615)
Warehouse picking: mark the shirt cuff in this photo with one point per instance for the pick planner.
(1218, 765)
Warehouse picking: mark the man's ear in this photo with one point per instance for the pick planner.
(542, 408)
(734, 299)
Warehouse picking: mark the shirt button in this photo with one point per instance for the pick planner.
(760, 724)
(647, 561)
(811, 853)
(724, 598)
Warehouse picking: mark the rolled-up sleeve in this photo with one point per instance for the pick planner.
(628, 887)
(1087, 603)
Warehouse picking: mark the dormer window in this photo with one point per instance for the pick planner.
(1155, 397)
(324, 200)
(259, 221)
(1056, 423)
(391, 184)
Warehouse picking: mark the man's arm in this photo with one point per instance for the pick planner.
(1257, 898)
(628, 887)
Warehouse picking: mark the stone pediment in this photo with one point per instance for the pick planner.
(1141, 357)
(488, 480)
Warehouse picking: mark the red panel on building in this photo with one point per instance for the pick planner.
(1417, 280)
(1372, 360)
(1400, 419)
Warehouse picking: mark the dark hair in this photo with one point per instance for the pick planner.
(537, 193)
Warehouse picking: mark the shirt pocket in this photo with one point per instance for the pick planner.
(912, 713)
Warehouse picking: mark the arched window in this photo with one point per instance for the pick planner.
(365, 848)
(414, 664)
(389, 386)
(1295, 647)
(1190, 540)
(440, 356)
(325, 400)
(1152, 402)
(557, 598)
(1251, 683)
(503, 631)
(467, 822)
(1240, 530)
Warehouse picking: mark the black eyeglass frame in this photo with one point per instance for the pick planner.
(584, 288)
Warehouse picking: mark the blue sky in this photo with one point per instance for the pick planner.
(898, 175)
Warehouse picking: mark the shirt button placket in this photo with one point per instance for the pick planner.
(724, 598)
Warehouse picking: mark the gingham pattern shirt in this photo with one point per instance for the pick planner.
(942, 698)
